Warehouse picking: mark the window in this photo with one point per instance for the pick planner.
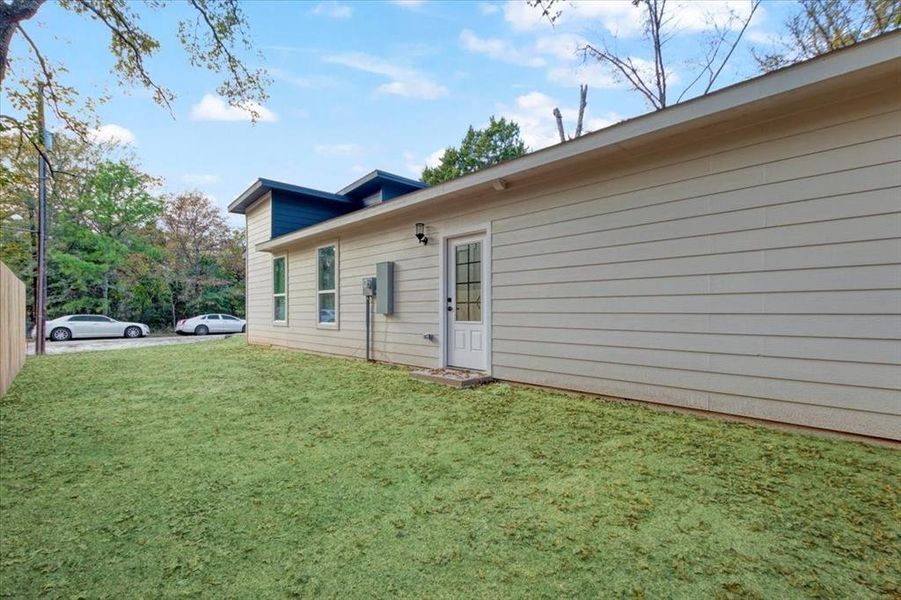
(229, 318)
(469, 282)
(212, 317)
(90, 319)
(327, 277)
(279, 289)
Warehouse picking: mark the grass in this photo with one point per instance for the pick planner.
(222, 470)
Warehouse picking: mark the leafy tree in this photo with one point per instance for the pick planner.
(820, 26)
(479, 148)
(75, 161)
(212, 38)
(205, 268)
(96, 232)
(111, 248)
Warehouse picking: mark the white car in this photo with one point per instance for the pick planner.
(91, 326)
(213, 323)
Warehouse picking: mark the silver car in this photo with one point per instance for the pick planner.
(92, 326)
(212, 323)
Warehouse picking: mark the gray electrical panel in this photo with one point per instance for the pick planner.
(384, 298)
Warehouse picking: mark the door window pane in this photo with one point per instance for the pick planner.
(475, 271)
(229, 318)
(462, 313)
(468, 258)
(475, 311)
(212, 318)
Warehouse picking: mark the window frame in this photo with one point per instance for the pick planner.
(282, 322)
(320, 324)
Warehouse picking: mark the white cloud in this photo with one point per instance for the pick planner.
(764, 38)
(112, 134)
(563, 46)
(214, 108)
(200, 178)
(434, 159)
(622, 18)
(333, 10)
(416, 163)
(523, 17)
(595, 75)
(312, 82)
(338, 149)
(534, 114)
(487, 8)
(499, 49)
(404, 81)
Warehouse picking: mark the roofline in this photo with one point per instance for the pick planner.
(874, 52)
(384, 175)
(262, 185)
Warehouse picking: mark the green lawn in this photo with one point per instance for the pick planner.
(224, 470)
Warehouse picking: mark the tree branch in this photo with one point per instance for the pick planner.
(128, 39)
(11, 14)
(583, 102)
(734, 44)
(38, 145)
(627, 68)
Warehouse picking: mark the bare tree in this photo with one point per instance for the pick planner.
(651, 78)
(820, 26)
(583, 103)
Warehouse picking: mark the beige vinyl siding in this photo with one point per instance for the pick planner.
(259, 274)
(761, 281)
(755, 272)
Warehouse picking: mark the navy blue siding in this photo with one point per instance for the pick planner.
(391, 190)
(290, 213)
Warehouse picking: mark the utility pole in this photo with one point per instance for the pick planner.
(40, 300)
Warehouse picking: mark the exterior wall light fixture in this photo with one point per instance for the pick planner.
(420, 234)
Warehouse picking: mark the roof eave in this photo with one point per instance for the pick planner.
(262, 185)
(375, 174)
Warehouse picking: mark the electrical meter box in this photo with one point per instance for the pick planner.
(369, 286)
(384, 300)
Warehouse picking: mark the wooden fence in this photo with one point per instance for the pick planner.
(12, 327)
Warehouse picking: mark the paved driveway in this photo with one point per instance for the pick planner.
(122, 343)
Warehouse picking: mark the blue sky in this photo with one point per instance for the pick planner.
(364, 85)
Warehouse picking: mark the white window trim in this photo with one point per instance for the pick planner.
(334, 325)
(283, 323)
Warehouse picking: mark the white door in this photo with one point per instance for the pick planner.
(466, 335)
